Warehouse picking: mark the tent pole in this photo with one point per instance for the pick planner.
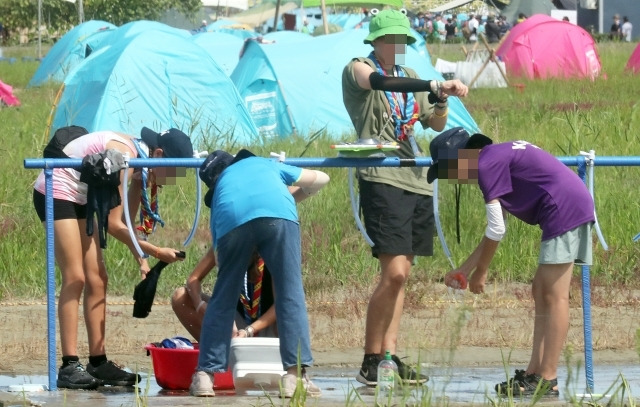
(80, 12)
(275, 18)
(325, 23)
(39, 25)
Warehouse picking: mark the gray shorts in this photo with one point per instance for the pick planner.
(574, 246)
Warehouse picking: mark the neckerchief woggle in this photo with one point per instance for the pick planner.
(403, 122)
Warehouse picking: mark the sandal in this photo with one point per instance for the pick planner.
(534, 384)
(513, 384)
(523, 384)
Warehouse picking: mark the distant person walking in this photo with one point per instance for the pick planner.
(626, 29)
(615, 33)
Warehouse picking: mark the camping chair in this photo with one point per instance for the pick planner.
(486, 55)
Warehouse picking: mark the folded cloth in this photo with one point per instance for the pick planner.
(101, 173)
(177, 342)
(145, 291)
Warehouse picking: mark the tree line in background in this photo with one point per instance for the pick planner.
(61, 15)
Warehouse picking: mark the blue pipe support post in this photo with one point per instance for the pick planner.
(586, 306)
(51, 278)
(49, 164)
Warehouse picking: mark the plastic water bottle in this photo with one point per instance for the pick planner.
(387, 372)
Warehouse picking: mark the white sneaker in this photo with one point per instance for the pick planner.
(202, 384)
(290, 383)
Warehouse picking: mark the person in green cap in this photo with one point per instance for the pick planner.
(385, 100)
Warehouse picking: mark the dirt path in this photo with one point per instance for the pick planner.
(436, 330)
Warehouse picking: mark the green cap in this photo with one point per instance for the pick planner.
(389, 22)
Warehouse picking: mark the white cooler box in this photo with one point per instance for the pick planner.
(256, 363)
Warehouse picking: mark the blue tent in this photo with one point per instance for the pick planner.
(70, 50)
(297, 86)
(224, 48)
(231, 27)
(136, 27)
(157, 79)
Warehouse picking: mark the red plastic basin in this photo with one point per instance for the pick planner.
(173, 368)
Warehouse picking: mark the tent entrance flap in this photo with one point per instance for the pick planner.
(268, 109)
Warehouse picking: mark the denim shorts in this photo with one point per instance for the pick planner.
(398, 222)
(574, 246)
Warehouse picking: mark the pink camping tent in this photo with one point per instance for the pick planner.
(633, 65)
(6, 95)
(544, 47)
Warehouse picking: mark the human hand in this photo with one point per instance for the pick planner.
(477, 281)
(456, 279)
(144, 268)
(241, 333)
(454, 87)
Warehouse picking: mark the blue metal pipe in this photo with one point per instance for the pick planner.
(337, 162)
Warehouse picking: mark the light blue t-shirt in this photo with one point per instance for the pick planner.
(252, 188)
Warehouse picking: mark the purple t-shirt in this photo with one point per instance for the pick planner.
(535, 187)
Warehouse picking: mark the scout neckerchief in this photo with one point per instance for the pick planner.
(149, 214)
(251, 300)
(400, 104)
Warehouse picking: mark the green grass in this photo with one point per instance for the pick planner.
(560, 116)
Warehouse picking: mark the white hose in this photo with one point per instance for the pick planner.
(436, 216)
(125, 203)
(590, 157)
(186, 243)
(354, 207)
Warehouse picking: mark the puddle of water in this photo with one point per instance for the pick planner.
(469, 385)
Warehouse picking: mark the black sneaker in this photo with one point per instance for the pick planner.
(369, 371)
(113, 375)
(512, 385)
(408, 374)
(528, 385)
(73, 376)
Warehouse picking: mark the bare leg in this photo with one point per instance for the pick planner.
(386, 305)
(551, 295)
(186, 313)
(95, 292)
(68, 255)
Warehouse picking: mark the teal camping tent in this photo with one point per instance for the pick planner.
(223, 47)
(296, 86)
(157, 79)
(77, 44)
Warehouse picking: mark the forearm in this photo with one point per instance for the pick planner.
(194, 281)
(194, 289)
(266, 320)
(437, 120)
(310, 182)
(481, 257)
(487, 250)
(120, 231)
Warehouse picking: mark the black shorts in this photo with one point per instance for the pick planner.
(61, 209)
(397, 221)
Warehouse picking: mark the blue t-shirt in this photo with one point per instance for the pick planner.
(535, 187)
(252, 188)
